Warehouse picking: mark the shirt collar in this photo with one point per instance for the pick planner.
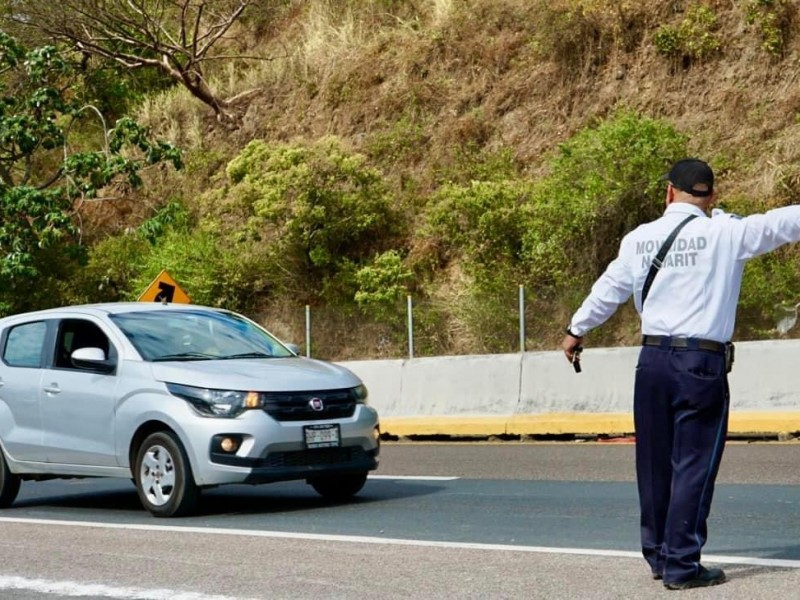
(684, 208)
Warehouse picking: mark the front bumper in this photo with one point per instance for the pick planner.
(275, 451)
(303, 464)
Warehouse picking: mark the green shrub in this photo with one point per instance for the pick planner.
(473, 162)
(172, 215)
(404, 141)
(554, 235)
(773, 18)
(112, 270)
(482, 222)
(317, 208)
(210, 269)
(695, 38)
(603, 182)
(383, 285)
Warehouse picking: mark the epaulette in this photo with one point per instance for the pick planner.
(718, 212)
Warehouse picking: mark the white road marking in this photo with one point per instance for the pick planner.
(415, 477)
(75, 589)
(359, 539)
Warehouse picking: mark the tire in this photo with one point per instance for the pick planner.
(9, 483)
(164, 479)
(339, 487)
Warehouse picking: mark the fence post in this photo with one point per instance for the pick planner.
(308, 331)
(410, 329)
(521, 318)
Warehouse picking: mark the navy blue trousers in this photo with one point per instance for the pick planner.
(680, 409)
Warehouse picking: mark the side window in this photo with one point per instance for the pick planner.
(74, 334)
(24, 345)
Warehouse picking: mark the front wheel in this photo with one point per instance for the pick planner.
(9, 483)
(164, 478)
(339, 487)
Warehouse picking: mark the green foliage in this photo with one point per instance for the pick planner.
(472, 162)
(558, 233)
(111, 271)
(115, 90)
(603, 182)
(483, 222)
(405, 140)
(211, 271)
(172, 215)
(382, 285)
(668, 41)
(773, 18)
(318, 207)
(481, 226)
(37, 189)
(695, 38)
(116, 265)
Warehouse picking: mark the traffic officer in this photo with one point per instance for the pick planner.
(681, 393)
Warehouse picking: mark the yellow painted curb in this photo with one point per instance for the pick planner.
(456, 426)
(740, 423)
(561, 423)
(764, 421)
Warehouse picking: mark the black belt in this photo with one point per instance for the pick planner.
(664, 341)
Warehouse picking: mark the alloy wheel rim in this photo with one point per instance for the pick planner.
(157, 475)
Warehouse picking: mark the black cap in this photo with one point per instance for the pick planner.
(689, 172)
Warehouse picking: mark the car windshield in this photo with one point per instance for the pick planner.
(166, 335)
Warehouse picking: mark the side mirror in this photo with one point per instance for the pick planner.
(293, 347)
(92, 359)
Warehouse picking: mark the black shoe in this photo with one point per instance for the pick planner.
(656, 575)
(705, 578)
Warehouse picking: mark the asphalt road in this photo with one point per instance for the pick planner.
(442, 520)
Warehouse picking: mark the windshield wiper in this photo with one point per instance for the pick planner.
(185, 356)
(247, 355)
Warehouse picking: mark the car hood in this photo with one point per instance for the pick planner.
(260, 375)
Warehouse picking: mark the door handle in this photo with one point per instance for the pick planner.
(53, 389)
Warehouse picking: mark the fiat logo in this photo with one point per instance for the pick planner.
(316, 404)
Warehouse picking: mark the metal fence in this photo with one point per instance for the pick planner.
(507, 323)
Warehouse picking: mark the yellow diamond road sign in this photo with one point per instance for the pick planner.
(164, 289)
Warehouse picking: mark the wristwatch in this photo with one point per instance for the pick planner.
(569, 333)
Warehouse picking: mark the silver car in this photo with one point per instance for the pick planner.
(177, 398)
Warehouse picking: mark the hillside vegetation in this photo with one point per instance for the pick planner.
(451, 150)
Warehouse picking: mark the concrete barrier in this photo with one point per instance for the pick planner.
(537, 393)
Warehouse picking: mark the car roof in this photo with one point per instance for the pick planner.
(113, 308)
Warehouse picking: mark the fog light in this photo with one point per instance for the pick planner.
(229, 445)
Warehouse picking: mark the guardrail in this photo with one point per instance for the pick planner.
(538, 393)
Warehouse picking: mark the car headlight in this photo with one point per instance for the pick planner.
(361, 394)
(216, 403)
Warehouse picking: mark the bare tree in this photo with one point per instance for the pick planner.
(177, 37)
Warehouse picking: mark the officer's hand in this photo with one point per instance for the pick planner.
(569, 345)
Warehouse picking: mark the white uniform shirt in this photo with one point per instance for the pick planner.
(697, 289)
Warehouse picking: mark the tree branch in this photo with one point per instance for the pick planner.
(174, 36)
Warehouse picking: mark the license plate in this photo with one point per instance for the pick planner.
(322, 436)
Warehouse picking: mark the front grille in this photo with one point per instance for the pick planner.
(296, 406)
(319, 457)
